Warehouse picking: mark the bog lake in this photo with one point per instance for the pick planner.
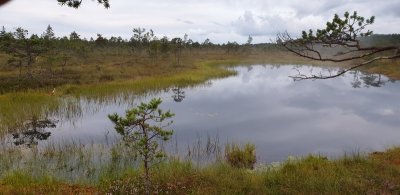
(261, 105)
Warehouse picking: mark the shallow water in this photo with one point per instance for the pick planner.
(262, 105)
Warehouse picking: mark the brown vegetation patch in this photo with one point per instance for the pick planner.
(48, 189)
(391, 156)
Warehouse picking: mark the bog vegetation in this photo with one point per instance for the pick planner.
(45, 75)
(30, 61)
(94, 169)
(46, 61)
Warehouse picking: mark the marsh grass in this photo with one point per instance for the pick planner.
(199, 74)
(15, 108)
(203, 151)
(351, 174)
(18, 107)
(389, 68)
(69, 163)
(111, 169)
(241, 156)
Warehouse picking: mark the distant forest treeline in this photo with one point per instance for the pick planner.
(381, 40)
(32, 60)
(140, 41)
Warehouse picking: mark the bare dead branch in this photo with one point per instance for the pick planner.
(341, 36)
(320, 76)
(301, 48)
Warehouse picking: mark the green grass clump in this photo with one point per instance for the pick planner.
(16, 108)
(241, 157)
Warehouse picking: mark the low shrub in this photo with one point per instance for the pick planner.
(241, 157)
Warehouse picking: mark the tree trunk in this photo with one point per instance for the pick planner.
(147, 183)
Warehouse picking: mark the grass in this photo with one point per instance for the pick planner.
(103, 169)
(193, 76)
(389, 68)
(241, 156)
(131, 76)
(17, 107)
(96, 66)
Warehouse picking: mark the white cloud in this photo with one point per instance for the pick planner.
(271, 24)
(388, 112)
(221, 21)
(248, 24)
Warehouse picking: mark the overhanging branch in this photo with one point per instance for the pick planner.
(338, 42)
(320, 76)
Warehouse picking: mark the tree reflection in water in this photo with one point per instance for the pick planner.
(179, 94)
(34, 131)
(369, 80)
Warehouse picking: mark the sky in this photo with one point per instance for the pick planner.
(219, 20)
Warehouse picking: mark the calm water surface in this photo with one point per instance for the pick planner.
(262, 105)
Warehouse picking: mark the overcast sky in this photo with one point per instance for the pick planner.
(218, 20)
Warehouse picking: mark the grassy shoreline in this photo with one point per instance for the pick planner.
(71, 170)
(17, 107)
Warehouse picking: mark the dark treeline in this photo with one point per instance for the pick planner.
(141, 41)
(46, 60)
(381, 40)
